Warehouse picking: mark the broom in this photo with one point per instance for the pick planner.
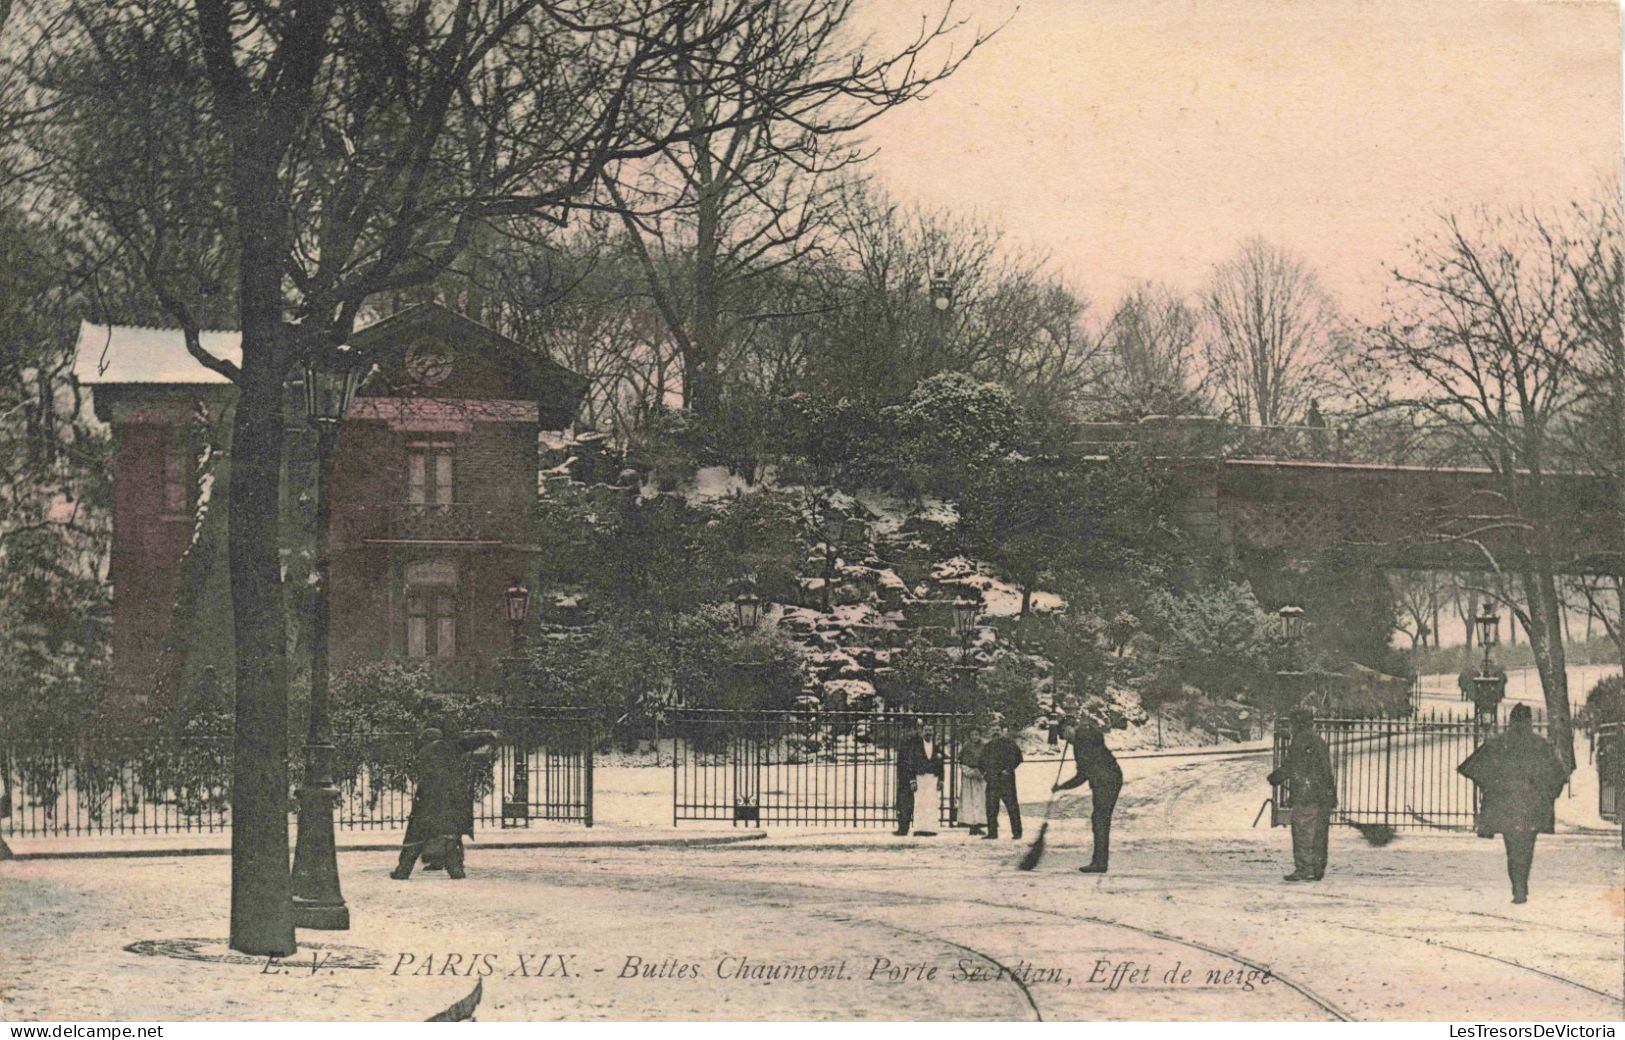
(1035, 852)
(1376, 834)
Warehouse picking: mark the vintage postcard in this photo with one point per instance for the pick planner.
(811, 511)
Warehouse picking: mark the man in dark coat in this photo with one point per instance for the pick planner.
(442, 802)
(1306, 772)
(912, 763)
(1096, 766)
(1000, 757)
(1519, 775)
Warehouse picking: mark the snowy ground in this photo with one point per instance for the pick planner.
(1419, 929)
(1523, 685)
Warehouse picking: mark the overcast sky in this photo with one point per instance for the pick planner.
(1145, 138)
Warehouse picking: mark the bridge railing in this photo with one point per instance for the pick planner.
(1375, 443)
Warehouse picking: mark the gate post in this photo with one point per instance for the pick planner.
(586, 768)
(1387, 772)
(1282, 800)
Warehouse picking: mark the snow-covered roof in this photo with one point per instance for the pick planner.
(138, 354)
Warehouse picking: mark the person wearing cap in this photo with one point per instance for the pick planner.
(1519, 775)
(1306, 772)
(1096, 766)
(442, 802)
(1001, 755)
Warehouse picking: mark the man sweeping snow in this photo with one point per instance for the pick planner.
(1097, 767)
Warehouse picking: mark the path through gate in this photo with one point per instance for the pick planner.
(806, 768)
(545, 766)
(1400, 772)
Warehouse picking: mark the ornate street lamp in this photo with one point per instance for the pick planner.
(748, 611)
(1287, 678)
(1490, 684)
(516, 604)
(1489, 630)
(331, 379)
(516, 607)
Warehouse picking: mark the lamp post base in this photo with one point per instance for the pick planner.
(317, 901)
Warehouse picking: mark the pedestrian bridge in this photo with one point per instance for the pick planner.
(1401, 516)
(1307, 490)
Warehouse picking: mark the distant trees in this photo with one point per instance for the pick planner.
(1150, 350)
(1270, 334)
(1006, 317)
(55, 495)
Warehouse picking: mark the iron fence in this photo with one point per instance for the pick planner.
(163, 784)
(1398, 772)
(544, 769)
(814, 768)
(115, 785)
(1608, 754)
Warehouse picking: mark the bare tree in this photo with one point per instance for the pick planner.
(1008, 318)
(1595, 435)
(719, 208)
(1150, 353)
(305, 158)
(1269, 334)
(1480, 342)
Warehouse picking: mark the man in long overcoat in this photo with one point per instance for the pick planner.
(912, 763)
(1096, 766)
(1519, 775)
(1000, 757)
(442, 802)
(1306, 772)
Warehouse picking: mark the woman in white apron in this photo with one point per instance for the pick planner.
(972, 784)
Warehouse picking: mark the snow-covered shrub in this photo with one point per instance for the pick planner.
(953, 426)
(1216, 639)
(1606, 701)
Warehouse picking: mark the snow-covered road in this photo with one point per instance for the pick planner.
(1184, 927)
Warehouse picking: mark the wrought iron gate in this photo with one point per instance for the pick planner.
(545, 767)
(808, 768)
(1398, 772)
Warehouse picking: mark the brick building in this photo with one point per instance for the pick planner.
(434, 481)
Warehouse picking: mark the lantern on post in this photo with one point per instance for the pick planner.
(1291, 624)
(747, 611)
(965, 612)
(516, 604)
(331, 380)
(1489, 629)
(964, 622)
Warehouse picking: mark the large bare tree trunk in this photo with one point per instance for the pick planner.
(261, 898)
(1545, 630)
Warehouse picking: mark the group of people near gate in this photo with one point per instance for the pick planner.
(1518, 773)
(987, 782)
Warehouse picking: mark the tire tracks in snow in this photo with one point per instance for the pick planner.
(733, 886)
